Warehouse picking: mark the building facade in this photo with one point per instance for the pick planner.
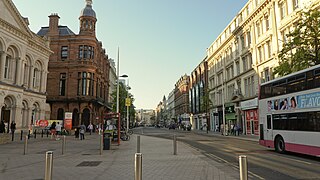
(244, 55)
(170, 106)
(112, 80)
(198, 94)
(181, 100)
(79, 70)
(24, 60)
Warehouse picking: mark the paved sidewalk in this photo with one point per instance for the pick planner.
(82, 160)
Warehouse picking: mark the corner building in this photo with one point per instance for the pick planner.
(79, 70)
(244, 56)
(24, 60)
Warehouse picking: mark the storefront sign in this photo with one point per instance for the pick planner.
(250, 104)
(68, 120)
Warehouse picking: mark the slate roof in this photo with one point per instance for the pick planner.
(63, 31)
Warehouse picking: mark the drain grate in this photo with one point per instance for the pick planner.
(89, 163)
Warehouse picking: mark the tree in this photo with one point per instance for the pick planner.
(302, 48)
(123, 93)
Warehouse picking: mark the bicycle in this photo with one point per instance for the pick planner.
(130, 132)
(124, 136)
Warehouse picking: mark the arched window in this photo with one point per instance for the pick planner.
(26, 70)
(8, 65)
(37, 76)
(60, 115)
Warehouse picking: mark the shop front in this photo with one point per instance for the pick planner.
(250, 115)
(230, 115)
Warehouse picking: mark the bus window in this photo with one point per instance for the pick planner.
(310, 83)
(268, 121)
(317, 78)
(296, 83)
(265, 91)
(279, 88)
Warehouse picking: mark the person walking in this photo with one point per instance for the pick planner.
(12, 128)
(90, 127)
(58, 130)
(53, 130)
(82, 131)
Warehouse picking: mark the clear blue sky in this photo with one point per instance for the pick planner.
(159, 40)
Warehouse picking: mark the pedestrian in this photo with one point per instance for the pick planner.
(222, 129)
(53, 130)
(12, 128)
(82, 131)
(2, 127)
(232, 129)
(90, 127)
(58, 130)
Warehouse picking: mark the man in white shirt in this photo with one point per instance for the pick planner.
(58, 130)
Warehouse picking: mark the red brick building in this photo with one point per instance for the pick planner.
(78, 79)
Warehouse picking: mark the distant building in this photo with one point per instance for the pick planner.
(112, 80)
(79, 70)
(170, 106)
(181, 100)
(198, 94)
(145, 116)
(24, 60)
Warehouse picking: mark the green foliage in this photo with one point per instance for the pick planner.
(302, 48)
(123, 93)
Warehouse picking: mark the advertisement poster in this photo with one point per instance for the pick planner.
(68, 120)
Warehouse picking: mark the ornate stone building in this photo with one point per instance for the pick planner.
(24, 60)
(244, 55)
(198, 94)
(181, 100)
(79, 70)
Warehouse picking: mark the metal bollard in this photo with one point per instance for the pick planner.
(138, 144)
(174, 145)
(63, 144)
(25, 149)
(21, 135)
(49, 165)
(138, 166)
(47, 133)
(41, 133)
(243, 167)
(101, 144)
(35, 134)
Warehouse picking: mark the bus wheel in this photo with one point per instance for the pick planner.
(280, 145)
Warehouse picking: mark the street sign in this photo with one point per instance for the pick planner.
(128, 102)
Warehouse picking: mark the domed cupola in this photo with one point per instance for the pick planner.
(88, 19)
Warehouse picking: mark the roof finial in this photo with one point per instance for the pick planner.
(89, 2)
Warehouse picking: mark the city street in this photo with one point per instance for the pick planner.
(263, 163)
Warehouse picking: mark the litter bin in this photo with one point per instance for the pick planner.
(106, 142)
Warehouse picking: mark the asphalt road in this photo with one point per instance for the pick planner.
(263, 163)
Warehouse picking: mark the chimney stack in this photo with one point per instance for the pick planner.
(53, 24)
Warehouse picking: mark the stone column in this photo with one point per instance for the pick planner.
(18, 71)
(31, 77)
(43, 81)
(2, 63)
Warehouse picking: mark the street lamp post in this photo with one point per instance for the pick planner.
(118, 113)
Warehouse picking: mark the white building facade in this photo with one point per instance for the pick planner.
(24, 60)
(244, 55)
